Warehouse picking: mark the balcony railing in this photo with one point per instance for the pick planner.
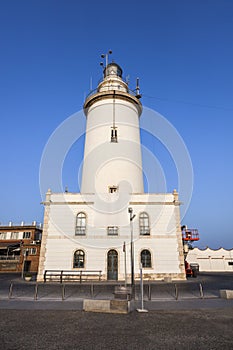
(9, 257)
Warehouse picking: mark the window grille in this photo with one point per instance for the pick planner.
(112, 189)
(144, 226)
(146, 258)
(79, 259)
(80, 228)
(112, 230)
(114, 134)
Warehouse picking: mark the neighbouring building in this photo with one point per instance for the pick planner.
(112, 221)
(212, 260)
(20, 247)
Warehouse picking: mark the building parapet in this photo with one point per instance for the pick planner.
(34, 224)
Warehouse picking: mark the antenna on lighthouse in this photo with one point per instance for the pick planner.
(102, 65)
(105, 55)
(90, 83)
(138, 95)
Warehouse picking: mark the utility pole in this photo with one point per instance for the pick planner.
(132, 216)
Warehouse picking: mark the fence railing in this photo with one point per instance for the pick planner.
(39, 291)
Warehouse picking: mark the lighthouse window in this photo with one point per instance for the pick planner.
(114, 134)
(79, 259)
(145, 258)
(112, 230)
(144, 226)
(80, 228)
(112, 189)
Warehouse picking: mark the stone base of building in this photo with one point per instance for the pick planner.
(150, 277)
(166, 277)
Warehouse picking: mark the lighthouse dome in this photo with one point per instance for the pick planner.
(112, 69)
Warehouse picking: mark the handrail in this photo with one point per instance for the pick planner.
(92, 92)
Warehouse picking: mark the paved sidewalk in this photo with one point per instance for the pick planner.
(208, 329)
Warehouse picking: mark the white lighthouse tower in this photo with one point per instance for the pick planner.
(112, 147)
(95, 230)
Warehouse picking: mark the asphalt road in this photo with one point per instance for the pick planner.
(61, 330)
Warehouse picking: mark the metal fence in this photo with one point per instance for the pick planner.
(95, 290)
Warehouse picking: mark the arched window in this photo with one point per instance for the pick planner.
(144, 226)
(79, 259)
(80, 228)
(146, 258)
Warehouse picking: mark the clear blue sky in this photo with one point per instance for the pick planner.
(182, 51)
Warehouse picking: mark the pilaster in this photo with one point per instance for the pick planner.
(179, 235)
(41, 268)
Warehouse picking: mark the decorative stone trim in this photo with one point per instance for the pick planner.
(42, 259)
(179, 236)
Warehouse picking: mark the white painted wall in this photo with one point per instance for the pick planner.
(211, 260)
(162, 242)
(107, 163)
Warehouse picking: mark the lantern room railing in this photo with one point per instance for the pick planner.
(110, 88)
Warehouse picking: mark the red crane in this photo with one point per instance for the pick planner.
(189, 235)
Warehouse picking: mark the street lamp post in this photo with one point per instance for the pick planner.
(131, 216)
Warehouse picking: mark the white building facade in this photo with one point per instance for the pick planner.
(211, 260)
(92, 230)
